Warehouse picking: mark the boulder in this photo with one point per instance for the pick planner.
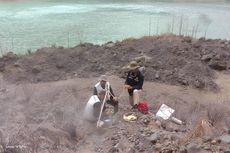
(36, 69)
(109, 44)
(218, 65)
(206, 57)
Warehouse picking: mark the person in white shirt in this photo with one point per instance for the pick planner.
(100, 90)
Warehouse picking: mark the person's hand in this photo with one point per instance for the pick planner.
(115, 98)
(128, 86)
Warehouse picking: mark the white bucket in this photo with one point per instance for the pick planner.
(89, 112)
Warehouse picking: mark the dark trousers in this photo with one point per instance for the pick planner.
(97, 107)
(114, 104)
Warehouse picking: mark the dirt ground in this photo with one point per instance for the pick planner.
(47, 117)
(43, 96)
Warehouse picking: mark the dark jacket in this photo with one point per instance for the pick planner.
(135, 80)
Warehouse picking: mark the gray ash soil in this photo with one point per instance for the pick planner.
(47, 117)
(43, 95)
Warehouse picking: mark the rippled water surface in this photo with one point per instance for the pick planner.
(33, 24)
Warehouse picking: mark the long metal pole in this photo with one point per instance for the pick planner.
(103, 103)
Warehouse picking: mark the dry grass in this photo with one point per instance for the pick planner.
(216, 112)
(129, 40)
(203, 119)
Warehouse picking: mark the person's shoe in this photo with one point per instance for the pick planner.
(135, 106)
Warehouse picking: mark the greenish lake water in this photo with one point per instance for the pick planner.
(33, 24)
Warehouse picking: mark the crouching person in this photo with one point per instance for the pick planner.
(100, 90)
(134, 82)
(93, 106)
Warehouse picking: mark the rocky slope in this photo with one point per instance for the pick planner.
(169, 59)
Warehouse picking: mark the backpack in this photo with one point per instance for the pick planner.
(143, 107)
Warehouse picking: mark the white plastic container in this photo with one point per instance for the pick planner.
(165, 112)
(89, 112)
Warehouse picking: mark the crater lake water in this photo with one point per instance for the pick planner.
(34, 24)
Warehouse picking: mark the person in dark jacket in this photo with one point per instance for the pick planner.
(134, 82)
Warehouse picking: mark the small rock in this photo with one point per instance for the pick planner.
(56, 78)
(109, 44)
(195, 148)
(183, 82)
(75, 74)
(60, 47)
(213, 142)
(223, 46)
(201, 39)
(225, 138)
(218, 65)
(187, 39)
(207, 148)
(36, 69)
(196, 45)
(10, 56)
(158, 147)
(146, 121)
(167, 151)
(153, 138)
(158, 123)
(222, 41)
(59, 65)
(157, 75)
(183, 150)
(177, 136)
(199, 84)
(206, 139)
(141, 130)
(117, 145)
(17, 64)
(130, 49)
(2, 66)
(207, 57)
(172, 127)
(113, 150)
(131, 150)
